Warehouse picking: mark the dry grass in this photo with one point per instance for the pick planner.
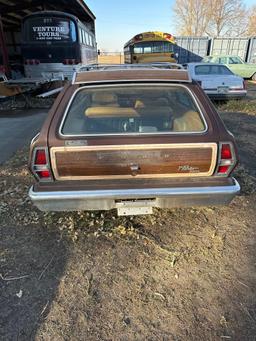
(111, 59)
(180, 274)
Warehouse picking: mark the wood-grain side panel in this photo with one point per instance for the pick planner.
(118, 161)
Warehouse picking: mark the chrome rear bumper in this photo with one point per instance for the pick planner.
(158, 197)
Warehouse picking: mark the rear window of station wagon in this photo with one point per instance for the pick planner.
(141, 109)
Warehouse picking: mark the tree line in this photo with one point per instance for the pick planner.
(214, 18)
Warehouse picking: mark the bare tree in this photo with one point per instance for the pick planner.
(191, 16)
(210, 17)
(227, 17)
(251, 31)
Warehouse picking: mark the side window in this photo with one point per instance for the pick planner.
(138, 49)
(147, 49)
(84, 39)
(80, 35)
(87, 38)
(223, 60)
(73, 31)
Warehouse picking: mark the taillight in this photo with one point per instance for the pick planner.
(70, 61)
(226, 160)
(40, 157)
(32, 62)
(226, 153)
(40, 164)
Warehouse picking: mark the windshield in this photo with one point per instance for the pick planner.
(153, 47)
(212, 70)
(49, 29)
(132, 109)
(235, 60)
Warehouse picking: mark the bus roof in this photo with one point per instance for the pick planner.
(50, 13)
(151, 36)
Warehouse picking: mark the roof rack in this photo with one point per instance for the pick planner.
(155, 65)
(160, 71)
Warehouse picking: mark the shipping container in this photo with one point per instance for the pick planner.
(230, 46)
(191, 49)
(251, 56)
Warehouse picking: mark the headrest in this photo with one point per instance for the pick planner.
(190, 121)
(98, 112)
(104, 97)
(151, 102)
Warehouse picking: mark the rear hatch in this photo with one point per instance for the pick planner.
(127, 132)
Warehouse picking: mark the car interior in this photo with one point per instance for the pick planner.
(132, 110)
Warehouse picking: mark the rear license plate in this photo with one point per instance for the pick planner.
(222, 89)
(136, 207)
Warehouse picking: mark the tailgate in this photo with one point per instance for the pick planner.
(133, 161)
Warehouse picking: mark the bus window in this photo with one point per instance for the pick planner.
(48, 29)
(138, 49)
(158, 47)
(147, 49)
(84, 40)
(90, 40)
(73, 31)
(80, 35)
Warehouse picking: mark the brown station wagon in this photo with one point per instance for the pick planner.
(132, 139)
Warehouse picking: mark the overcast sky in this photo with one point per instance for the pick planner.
(118, 21)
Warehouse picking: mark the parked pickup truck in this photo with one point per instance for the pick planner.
(132, 138)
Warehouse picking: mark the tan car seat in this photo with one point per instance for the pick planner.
(190, 121)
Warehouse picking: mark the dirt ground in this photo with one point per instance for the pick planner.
(180, 274)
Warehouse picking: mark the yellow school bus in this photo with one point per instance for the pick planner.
(150, 47)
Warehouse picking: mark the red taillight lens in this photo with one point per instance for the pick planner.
(40, 165)
(226, 152)
(69, 62)
(227, 159)
(40, 158)
(223, 169)
(43, 174)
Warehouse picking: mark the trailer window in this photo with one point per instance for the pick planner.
(129, 110)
